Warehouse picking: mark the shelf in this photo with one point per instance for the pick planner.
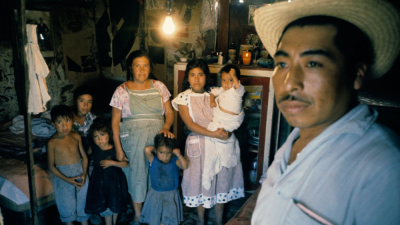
(253, 150)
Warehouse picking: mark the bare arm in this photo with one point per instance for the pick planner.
(181, 162)
(169, 119)
(52, 166)
(85, 161)
(116, 115)
(236, 82)
(109, 162)
(184, 113)
(212, 100)
(148, 152)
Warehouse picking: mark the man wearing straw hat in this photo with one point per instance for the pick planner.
(338, 166)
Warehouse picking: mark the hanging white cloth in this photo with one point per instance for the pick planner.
(208, 16)
(38, 71)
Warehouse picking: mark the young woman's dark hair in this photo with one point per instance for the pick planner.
(227, 69)
(82, 90)
(102, 125)
(134, 55)
(161, 140)
(197, 63)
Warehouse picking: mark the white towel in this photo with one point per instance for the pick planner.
(218, 153)
(38, 71)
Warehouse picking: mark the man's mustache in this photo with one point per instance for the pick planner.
(291, 97)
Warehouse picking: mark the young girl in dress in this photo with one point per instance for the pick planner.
(163, 204)
(194, 108)
(108, 189)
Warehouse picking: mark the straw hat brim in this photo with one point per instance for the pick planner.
(376, 18)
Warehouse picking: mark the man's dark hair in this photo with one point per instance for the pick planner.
(161, 140)
(227, 69)
(352, 42)
(62, 111)
(197, 63)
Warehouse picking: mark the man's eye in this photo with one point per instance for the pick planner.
(313, 64)
(280, 64)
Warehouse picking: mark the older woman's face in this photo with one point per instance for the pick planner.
(140, 69)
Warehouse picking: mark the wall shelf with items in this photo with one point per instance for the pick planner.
(254, 134)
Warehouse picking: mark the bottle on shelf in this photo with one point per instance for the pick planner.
(232, 52)
(220, 58)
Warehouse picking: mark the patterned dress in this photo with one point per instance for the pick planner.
(142, 119)
(228, 184)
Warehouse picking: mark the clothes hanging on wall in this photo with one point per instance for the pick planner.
(38, 71)
(208, 17)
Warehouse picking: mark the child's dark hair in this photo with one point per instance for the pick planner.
(101, 125)
(197, 63)
(79, 91)
(61, 111)
(227, 69)
(82, 90)
(160, 140)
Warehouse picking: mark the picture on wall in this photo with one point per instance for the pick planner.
(252, 9)
(43, 29)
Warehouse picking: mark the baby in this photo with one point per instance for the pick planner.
(228, 114)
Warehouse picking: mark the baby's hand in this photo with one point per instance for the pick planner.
(232, 72)
(213, 104)
(177, 152)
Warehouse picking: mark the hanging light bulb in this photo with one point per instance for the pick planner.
(168, 26)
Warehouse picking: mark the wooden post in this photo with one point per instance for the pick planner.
(223, 26)
(23, 73)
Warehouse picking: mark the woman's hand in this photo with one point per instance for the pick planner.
(120, 154)
(221, 134)
(166, 133)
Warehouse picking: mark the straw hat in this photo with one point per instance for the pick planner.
(376, 18)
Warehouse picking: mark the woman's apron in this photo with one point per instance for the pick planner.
(137, 132)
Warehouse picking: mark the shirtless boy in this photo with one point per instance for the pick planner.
(68, 162)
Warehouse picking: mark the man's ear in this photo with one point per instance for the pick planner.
(361, 71)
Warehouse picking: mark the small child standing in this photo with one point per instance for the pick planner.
(163, 204)
(68, 162)
(228, 114)
(108, 189)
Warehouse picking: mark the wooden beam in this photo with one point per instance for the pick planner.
(223, 26)
(23, 74)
